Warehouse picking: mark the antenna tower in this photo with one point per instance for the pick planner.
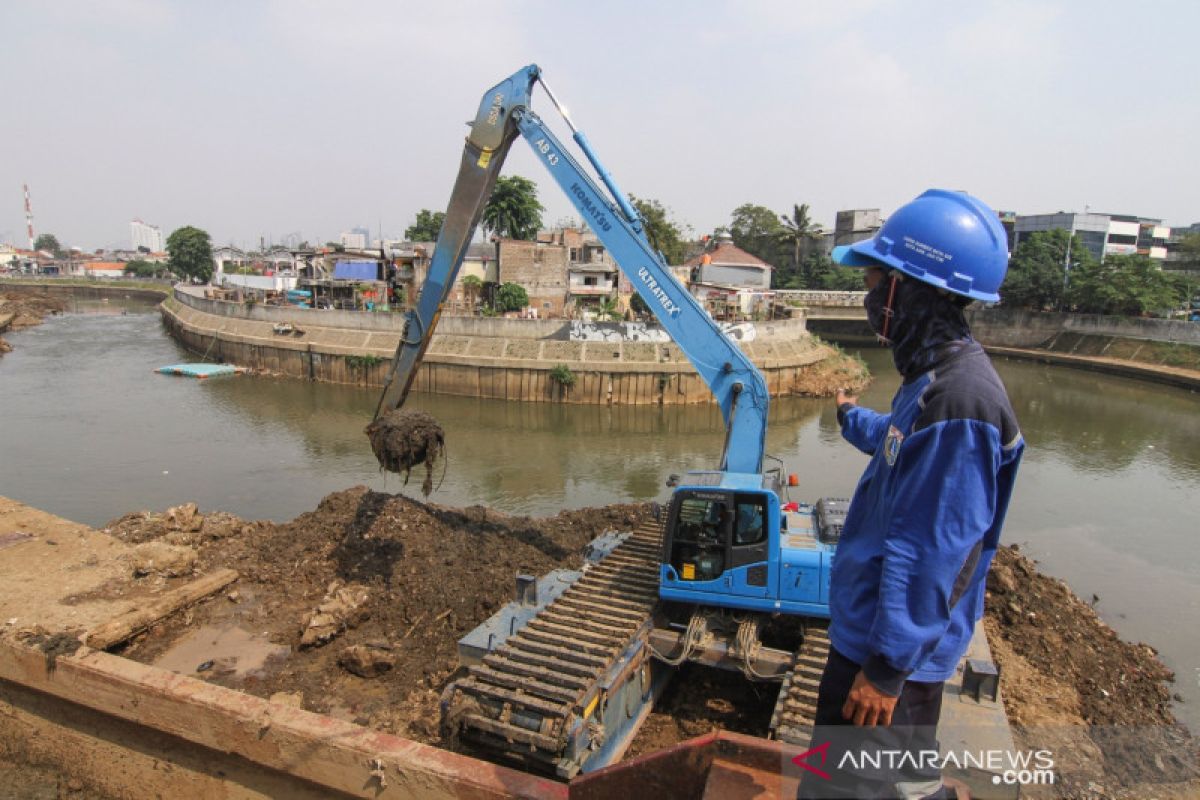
(28, 216)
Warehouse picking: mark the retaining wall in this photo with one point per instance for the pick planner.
(1018, 328)
(613, 363)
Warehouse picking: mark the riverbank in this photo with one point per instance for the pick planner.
(20, 310)
(409, 578)
(552, 361)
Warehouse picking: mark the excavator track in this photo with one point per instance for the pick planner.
(541, 697)
(796, 708)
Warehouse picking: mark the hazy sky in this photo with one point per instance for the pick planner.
(254, 119)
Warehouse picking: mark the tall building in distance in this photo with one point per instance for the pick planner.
(146, 238)
(356, 239)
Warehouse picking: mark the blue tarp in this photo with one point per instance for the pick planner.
(200, 370)
(356, 271)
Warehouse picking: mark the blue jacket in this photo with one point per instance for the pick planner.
(909, 575)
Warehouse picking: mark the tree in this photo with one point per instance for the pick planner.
(799, 235)
(190, 253)
(1125, 285)
(513, 210)
(638, 306)
(841, 279)
(664, 234)
(143, 269)
(48, 242)
(427, 227)
(511, 297)
(758, 231)
(472, 287)
(1037, 271)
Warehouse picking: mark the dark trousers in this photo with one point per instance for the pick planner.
(879, 762)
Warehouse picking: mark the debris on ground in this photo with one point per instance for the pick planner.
(160, 558)
(367, 660)
(403, 439)
(343, 607)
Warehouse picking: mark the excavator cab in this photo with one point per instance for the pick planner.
(718, 544)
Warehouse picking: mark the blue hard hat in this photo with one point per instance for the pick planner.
(950, 240)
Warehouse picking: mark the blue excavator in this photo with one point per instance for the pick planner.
(561, 678)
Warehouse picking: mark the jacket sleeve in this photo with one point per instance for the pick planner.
(945, 502)
(863, 427)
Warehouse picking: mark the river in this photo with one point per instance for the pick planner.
(1106, 498)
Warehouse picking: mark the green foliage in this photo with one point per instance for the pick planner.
(513, 210)
(427, 227)
(48, 242)
(759, 231)
(608, 309)
(364, 361)
(665, 235)
(842, 279)
(1124, 285)
(638, 305)
(1189, 252)
(562, 375)
(1037, 271)
(191, 253)
(143, 269)
(511, 297)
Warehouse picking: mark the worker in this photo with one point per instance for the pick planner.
(907, 585)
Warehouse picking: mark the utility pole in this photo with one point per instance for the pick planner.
(1067, 269)
(28, 215)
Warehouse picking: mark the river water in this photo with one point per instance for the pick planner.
(1106, 499)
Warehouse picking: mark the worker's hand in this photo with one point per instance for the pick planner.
(845, 397)
(867, 706)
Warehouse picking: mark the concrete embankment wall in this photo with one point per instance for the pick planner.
(619, 363)
(1019, 328)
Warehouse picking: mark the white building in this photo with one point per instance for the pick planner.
(1102, 234)
(355, 239)
(146, 237)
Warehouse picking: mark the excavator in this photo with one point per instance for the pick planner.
(560, 679)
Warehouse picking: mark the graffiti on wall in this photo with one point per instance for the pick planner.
(580, 331)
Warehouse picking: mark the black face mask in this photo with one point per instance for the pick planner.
(877, 311)
(923, 321)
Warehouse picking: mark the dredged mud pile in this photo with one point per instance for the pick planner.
(403, 439)
(399, 579)
(1101, 705)
(381, 587)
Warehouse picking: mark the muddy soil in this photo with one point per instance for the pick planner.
(1070, 684)
(24, 310)
(402, 440)
(391, 579)
(425, 574)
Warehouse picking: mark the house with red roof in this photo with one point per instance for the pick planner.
(729, 282)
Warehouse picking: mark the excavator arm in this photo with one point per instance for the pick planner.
(504, 113)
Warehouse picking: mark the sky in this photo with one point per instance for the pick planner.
(256, 120)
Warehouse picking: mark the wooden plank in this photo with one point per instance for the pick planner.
(329, 752)
(133, 622)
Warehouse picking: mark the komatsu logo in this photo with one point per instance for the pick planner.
(599, 218)
(670, 306)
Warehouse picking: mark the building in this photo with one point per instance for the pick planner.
(855, 225)
(1102, 234)
(729, 282)
(356, 239)
(145, 238)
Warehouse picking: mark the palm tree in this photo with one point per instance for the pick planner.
(513, 211)
(800, 234)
